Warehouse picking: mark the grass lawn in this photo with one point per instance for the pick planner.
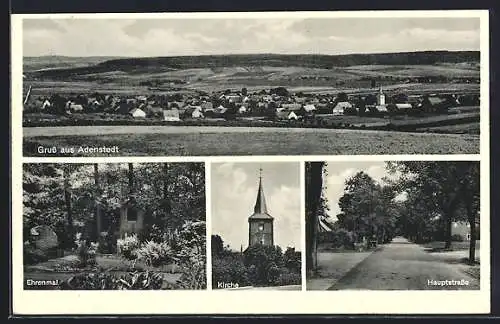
(437, 246)
(209, 141)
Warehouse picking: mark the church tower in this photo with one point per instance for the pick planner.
(260, 223)
(381, 97)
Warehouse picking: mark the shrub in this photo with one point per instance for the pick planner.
(457, 238)
(153, 254)
(138, 280)
(90, 281)
(141, 280)
(230, 269)
(153, 233)
(273, 274)
(32, 255)
(292, 259)
(289, 278)
(127, 246)
(262, 258)
(193, 275)
(338, 238)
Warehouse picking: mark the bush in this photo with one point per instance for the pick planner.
(292, 259)
(127, 246)
(153, 233)
(262, 258)
(137, 280)
(32, 255)
(153, 254)
(338, 238)
(229, 269)
(193, 274)
(273, 274)
(289, 278)
(457, 238)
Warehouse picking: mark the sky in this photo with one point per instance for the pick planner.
(190, 36)
(339, 172)
(234, 191)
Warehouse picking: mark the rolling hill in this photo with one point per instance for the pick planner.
(97, 65)
(216, 72)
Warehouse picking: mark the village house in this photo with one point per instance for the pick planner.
(309, 108)
(341, 107)
(193, 112)
(291, 106)
(286, 115)
(138, 113)
(46, 104)
(171, 115)
(461, 229)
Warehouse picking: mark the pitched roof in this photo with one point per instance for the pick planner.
(260, 208)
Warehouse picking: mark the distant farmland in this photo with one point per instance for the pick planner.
(207, 141)
(304, 73)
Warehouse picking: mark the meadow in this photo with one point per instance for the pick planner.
(213, 141)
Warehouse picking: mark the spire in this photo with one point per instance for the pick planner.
(260, 204)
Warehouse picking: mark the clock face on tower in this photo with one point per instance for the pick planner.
(261, 227)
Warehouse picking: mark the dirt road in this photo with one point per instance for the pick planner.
(402, 265)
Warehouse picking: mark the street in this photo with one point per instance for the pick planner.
(402, 265)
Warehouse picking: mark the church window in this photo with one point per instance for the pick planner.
(261, 227)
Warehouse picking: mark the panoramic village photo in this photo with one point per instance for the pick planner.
(256, 226)
(406, 225)
(128, 226)
(257, 85)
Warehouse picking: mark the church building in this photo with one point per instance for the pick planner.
(260, 223)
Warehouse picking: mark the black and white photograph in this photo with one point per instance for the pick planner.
(256, 226)
(404, 225)
(122, 226)
(259, 84)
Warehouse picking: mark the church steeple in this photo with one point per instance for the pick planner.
(260, 203)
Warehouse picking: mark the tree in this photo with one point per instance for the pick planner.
(314, 188)
(217, 245)
(370, 100)
(442, 184)
(244, 91)
(280, 91)
(341, 96)
(358, 205)
(400, 98)
(469, 192)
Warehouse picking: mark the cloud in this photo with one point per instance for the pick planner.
(165, 37)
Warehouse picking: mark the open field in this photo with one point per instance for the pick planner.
(206, 141)
(418, 72)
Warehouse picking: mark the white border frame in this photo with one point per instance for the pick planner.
(238, 302)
